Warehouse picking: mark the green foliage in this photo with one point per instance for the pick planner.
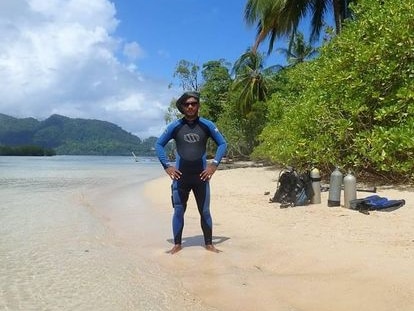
(252, 80)
(232, 128)
(241, 130)
(353, 106)
(215, 88)
(298, 50)
(27, 150)
(280, 18)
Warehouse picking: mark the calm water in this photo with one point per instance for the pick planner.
(57, 252)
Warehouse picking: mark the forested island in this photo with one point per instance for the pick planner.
(70, 136)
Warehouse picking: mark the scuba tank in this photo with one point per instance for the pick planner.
(335, 184)
(349, 189)
(316, 186)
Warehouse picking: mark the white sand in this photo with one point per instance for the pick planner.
(302, 258)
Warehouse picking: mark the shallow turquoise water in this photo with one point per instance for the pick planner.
(56, 250)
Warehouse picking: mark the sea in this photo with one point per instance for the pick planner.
(60, 243)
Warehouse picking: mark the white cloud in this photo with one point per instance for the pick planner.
(59, 56)
(133, 51)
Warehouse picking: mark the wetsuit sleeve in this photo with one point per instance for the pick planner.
(161, 142)
(218, 139)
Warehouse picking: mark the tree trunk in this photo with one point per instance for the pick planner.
(338, 7)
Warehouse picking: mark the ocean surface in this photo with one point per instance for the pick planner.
(58, 250)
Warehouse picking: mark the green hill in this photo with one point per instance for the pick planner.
(73, 136)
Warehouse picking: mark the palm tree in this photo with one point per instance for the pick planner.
(298, 50)
(252, 79)
(277, 18)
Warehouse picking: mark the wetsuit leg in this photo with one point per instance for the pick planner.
(180, 193)
(201, 192)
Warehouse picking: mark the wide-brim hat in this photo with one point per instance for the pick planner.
(179, 103)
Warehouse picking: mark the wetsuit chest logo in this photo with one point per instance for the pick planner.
(191, 138)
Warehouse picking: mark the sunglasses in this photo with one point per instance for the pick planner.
(190, 103)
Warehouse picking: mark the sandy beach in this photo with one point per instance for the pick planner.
(302, 258)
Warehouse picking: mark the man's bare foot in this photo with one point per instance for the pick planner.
(175, 249)
(211, 248)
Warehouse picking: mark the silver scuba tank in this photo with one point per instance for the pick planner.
(350, 192)
(335, 184)
(316, 186)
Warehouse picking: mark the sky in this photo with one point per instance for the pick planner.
(111, 60)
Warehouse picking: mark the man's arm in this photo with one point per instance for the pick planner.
(161, 143)
(218, 139)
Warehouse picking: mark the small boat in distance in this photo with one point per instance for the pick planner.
(135, 157)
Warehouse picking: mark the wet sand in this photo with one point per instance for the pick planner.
(303, 258)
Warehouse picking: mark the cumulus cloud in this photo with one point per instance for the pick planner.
(60, 56)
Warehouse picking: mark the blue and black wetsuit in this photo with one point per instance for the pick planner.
(191, 159)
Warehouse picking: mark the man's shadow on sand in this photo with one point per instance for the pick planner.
(198, 240)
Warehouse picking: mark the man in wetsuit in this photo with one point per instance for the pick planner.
(191, 171)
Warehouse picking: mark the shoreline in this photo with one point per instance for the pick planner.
(138, 233)
(301, 258)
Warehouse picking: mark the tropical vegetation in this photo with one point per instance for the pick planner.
(348, 102)
(26, 150)
(278, 18)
